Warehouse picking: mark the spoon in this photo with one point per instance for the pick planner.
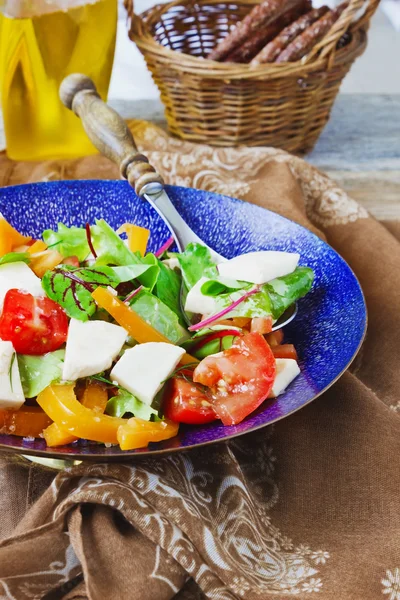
(111, 136)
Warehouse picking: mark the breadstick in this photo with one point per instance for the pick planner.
(274, 48)
(304, 42)
(246, 51)
(261, 15)
(344, 40)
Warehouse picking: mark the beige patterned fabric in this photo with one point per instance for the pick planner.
(306, 508)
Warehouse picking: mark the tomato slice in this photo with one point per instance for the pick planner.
(185, 402)
(71, 260)
(261, 325)
(33, 325)
(285, 351)
(240, 379)
(275, 338)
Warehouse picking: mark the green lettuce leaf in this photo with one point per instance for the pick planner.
(158, 315)
(168, 288)
(274, 297)
(37, 372)
(221, 285)
(125, 403)
(68, 241)
(128, 272)
(110, 248)
(258, 305)
(196, 262)
(12, 257)
(149, 279)
(284, 291)
(214, 346)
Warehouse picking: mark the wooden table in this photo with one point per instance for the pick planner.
(360, 149)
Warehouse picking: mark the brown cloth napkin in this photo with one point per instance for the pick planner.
(308, 507)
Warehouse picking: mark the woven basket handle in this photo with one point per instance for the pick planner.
(129, 6)
(109, 133)
(327, 46)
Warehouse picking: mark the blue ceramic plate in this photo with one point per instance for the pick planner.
(327, 331)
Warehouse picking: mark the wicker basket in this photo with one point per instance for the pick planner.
(283, 105)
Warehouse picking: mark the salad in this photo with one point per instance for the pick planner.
(103, 341)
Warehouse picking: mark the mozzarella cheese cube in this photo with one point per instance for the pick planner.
(172, 263)
(91, 348)
(287, 369)
(259, 267)
(143, 369)
(198, 303)
(11, 393)
(18, 276)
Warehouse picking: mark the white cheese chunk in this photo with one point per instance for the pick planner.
(143, 369)
(19, 276)
(172, 263)
(11, 393)
(198, 303)
(259, 267)
(287, 369)
(91, 348)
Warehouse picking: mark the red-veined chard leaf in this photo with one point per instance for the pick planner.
(72, 287)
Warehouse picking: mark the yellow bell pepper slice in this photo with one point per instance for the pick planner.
(60, 404)
(137, 433)
(10, 238)
(138, 237)
(38, 246)
(45, 261)
(137, 327)
(94, 397)
(28, 421)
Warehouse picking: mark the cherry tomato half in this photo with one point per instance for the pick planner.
(285, 351)
(33, 325)
(185, 402)
(239, 379)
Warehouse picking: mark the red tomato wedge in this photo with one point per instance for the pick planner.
(261, 325)
(285, 351)
(33, 325)
(275, 338)
(71, 260)
(240, 379)
(185, 402)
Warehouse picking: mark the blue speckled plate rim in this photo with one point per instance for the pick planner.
(70, 457)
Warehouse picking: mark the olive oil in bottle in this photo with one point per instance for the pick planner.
(40, 43)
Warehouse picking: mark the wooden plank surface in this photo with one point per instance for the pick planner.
(363, 134)
(360, 149)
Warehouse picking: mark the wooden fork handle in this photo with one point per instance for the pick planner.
(109, 133)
